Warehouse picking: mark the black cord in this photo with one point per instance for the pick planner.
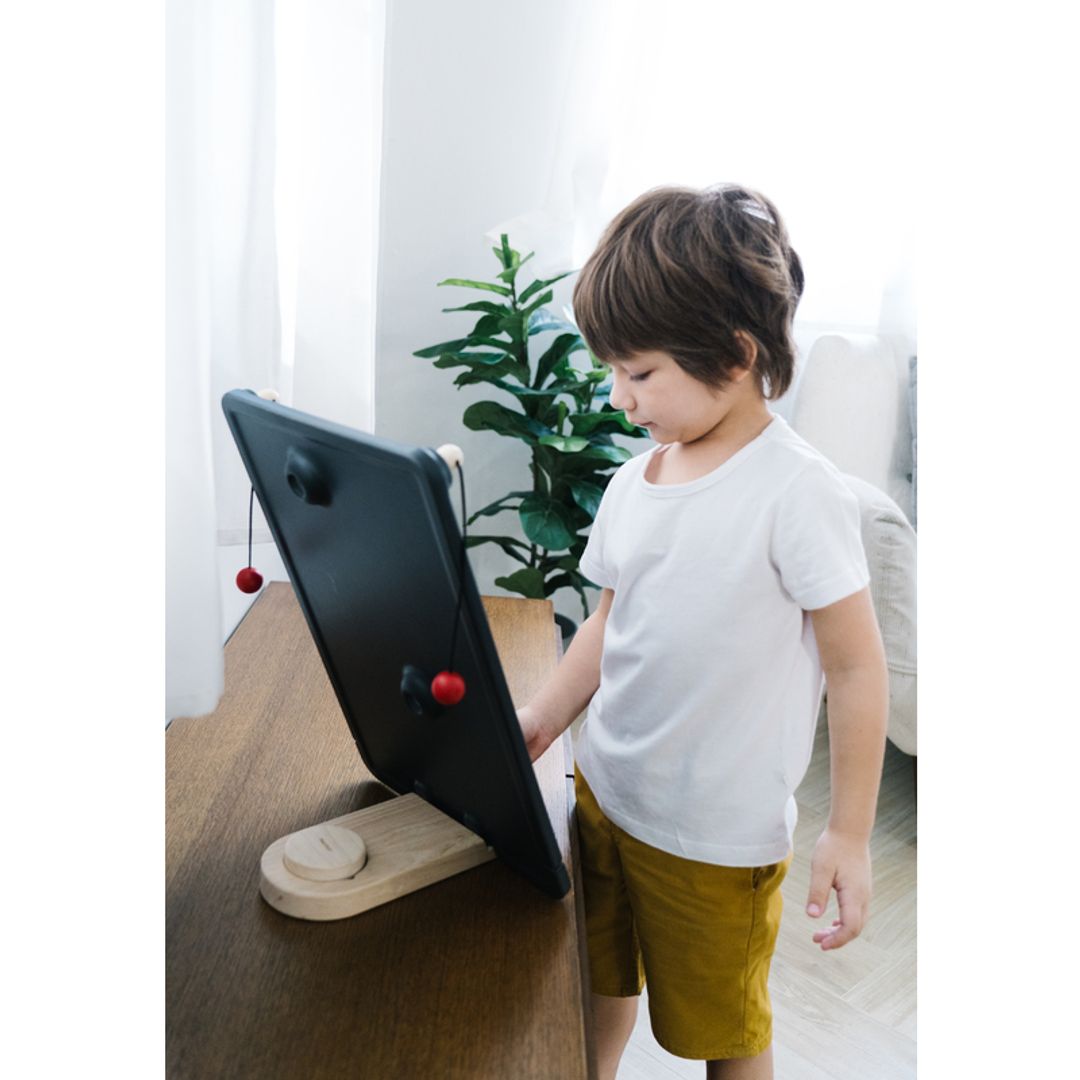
(461, 567)
(251, 517)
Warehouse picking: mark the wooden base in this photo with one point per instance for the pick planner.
(355, 862)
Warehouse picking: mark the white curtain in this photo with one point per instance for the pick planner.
(334, 103)
(273, 157)
(193, 669)
(810, 103)
(222, 321)
(564, 228)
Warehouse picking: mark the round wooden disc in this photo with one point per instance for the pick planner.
(325, 853)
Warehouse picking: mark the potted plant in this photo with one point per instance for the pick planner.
(561, 412)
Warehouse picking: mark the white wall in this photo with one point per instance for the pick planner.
(456, 163)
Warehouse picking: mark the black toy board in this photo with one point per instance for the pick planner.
(373, 549)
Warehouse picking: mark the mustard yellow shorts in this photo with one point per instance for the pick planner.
(702, 936)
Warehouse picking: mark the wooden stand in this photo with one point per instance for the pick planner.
(356, 862)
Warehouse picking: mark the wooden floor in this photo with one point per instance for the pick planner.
(847, 1014)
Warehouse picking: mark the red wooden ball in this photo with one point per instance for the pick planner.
(448, 688)
(249, 580)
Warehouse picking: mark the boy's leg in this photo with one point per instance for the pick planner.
(755, 1068)
(613, 1023)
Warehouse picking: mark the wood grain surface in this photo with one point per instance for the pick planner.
(478, 976)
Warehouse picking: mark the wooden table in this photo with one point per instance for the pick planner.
(477, 976)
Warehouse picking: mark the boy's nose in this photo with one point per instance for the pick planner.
(618, 399)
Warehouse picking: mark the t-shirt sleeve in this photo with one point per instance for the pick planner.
(592, 563)
(817, 540)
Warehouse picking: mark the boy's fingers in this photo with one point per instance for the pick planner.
(846, 928)
(818, 899)
(823, 935)
(834, 939)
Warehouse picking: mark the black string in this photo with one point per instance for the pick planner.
(461, 567)
(251, 516)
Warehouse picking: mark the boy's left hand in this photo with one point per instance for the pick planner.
(842, 863)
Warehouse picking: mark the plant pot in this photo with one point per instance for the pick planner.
(568, 627)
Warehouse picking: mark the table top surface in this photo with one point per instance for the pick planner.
(480, 975)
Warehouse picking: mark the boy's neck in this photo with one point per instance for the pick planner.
(739, 426)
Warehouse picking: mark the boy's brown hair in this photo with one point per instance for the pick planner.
(679, 270)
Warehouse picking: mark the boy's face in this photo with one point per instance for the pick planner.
(656, 393)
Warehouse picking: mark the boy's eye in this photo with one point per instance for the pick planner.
(640, 378)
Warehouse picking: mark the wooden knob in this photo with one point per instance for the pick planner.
(325, 853)
(451, 454)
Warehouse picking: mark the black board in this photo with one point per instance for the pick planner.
(373, 549)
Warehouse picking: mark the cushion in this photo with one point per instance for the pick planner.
(890, 544)
(913, 415)
(853, 406)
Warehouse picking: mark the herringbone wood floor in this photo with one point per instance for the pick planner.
(847, 1014)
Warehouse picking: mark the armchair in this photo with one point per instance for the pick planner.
(855, 403)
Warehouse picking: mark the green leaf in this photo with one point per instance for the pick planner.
(616, 454)
(542, 319)
(514, 325)
(536, 286)
(456, 359)
(490, 364)
(557, 582)
(609, 420)
(567, 562)
(587, 495)
(493, 343)
(511, 273)
(529, 582)
(549, 391)
(568, 444)
(501, 290)
(491, 416)
(507, 543)
(446, 346)
(547, 522)
(483, 305)
(545, 298)
(486, 327)
(561, 347)
(504, 253)
(497, 506)
(489, 375)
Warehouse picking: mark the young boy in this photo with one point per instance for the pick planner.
(734, 587)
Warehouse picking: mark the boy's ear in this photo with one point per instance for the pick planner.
(749, 348)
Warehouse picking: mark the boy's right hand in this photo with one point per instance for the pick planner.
(537, 735)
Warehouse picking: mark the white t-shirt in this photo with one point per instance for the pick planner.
(710, 682)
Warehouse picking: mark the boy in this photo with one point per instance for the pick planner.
(734, 587)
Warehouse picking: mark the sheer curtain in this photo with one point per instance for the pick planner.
(563, 229)
(808, 103)
(222, 321)
(256, 91)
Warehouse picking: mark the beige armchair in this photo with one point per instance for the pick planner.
(855, 403)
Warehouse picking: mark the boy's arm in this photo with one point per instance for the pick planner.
(571, 687)
(857, 684)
